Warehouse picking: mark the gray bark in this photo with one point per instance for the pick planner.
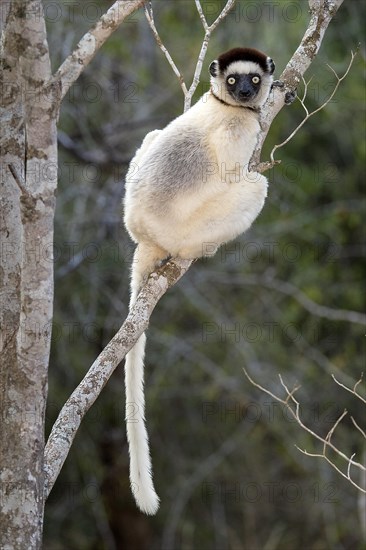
(30, 100)
(28, 182)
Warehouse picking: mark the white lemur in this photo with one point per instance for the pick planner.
(188, 190)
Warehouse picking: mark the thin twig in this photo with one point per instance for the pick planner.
(309, 115)
(353, 391)
(197, 72)
(306, 85)
(208, 31)
(150, 19)
(357, 383)
(328, 437)
(295, 414)
(188, 93)
(290, 395)
(334, 466)
(201, 14)
(321, 15)
(358, 427)
(349, 467)
(228, 6)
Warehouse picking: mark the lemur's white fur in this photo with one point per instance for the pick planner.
(188, 190)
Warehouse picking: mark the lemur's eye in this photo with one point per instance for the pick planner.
(255, 79)
(231, 80)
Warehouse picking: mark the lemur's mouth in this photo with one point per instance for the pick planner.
(244, 96)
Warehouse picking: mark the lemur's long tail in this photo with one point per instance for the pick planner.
(145, 260)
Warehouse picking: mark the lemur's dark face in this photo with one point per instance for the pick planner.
(243, 88)
(242, 77)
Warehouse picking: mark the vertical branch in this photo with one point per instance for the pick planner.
(150, 19)
(188, 93)
(201, 14)
(208, 31)
(197, 72)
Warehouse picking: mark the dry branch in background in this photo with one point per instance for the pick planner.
(293, 406)
(289, 289)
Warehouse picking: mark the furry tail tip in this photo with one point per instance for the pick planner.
(146, 500)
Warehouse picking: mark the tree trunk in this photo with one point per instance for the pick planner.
(28, 182)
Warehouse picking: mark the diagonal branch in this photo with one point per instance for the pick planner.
(78, 404)
(322, 106)
(228, 6)
(90, 43)
(321, 14)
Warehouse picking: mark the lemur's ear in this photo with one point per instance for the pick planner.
(213, 68)
(271, 66)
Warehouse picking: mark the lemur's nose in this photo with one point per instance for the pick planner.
(244, 93)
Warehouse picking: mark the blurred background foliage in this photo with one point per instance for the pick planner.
(225, 464)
